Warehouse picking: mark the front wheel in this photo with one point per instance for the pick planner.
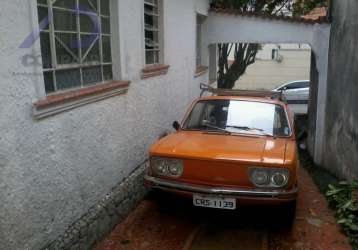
(288, 213)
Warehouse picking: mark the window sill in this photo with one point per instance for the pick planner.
(57, 103)
(201, 70)
(155, 70)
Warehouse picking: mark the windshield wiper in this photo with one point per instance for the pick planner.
(245, 128)
(217, 128)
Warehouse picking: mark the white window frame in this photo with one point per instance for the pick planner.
(159, 30)
(81, 65)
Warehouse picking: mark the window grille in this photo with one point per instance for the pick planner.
(76, 43)
(152, 31)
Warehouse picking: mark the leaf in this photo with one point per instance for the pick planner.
(347, 204)
(342, 221)
(312, 212)
(334, 191)
(353, 227)
(343, 183)
(315, 222)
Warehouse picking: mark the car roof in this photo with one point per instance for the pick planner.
(298, 81)
(288, 83)
(243, 98)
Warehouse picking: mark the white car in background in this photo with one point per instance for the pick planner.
(296, 94)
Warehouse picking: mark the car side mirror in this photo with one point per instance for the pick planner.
(282, 90)
(176, 125)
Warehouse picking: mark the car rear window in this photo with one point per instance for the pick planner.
(298, 85)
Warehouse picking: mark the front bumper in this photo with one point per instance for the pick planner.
(253, 194)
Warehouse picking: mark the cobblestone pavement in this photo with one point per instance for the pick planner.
(164, 222)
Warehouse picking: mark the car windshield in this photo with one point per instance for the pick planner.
(233, 116)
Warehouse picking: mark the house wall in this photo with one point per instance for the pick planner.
(53, 170)
(227, 28)
(341, 131)
(267, 73)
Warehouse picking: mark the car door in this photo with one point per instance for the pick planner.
(297, 94)
(297, 91)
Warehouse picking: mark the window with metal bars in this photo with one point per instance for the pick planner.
(152, 30)
(199, 23)
(76, 43)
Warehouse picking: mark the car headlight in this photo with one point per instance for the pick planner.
(269, 177)
(260, 177)
(279, 179)
(167, 167)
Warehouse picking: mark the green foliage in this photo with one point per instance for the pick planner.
(346, 208)
(302, 7)
(298, 7)
(266, 6)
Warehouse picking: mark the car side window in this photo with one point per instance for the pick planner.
(297, 85)
(202, 112)
(305, 84)
(281, 126)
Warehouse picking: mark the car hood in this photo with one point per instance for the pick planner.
(215, 146)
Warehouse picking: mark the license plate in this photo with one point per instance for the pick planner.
(214, 202)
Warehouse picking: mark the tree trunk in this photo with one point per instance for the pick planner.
(230, 72)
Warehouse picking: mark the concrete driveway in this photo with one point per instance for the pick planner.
(164, 222)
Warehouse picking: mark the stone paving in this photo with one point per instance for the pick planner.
(164, 222)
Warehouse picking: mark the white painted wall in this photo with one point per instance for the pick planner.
(320, 46)
(233, 28)
(53, 170)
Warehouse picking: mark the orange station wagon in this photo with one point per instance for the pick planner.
(232, 148)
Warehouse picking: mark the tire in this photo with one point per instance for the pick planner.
(288, 213)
